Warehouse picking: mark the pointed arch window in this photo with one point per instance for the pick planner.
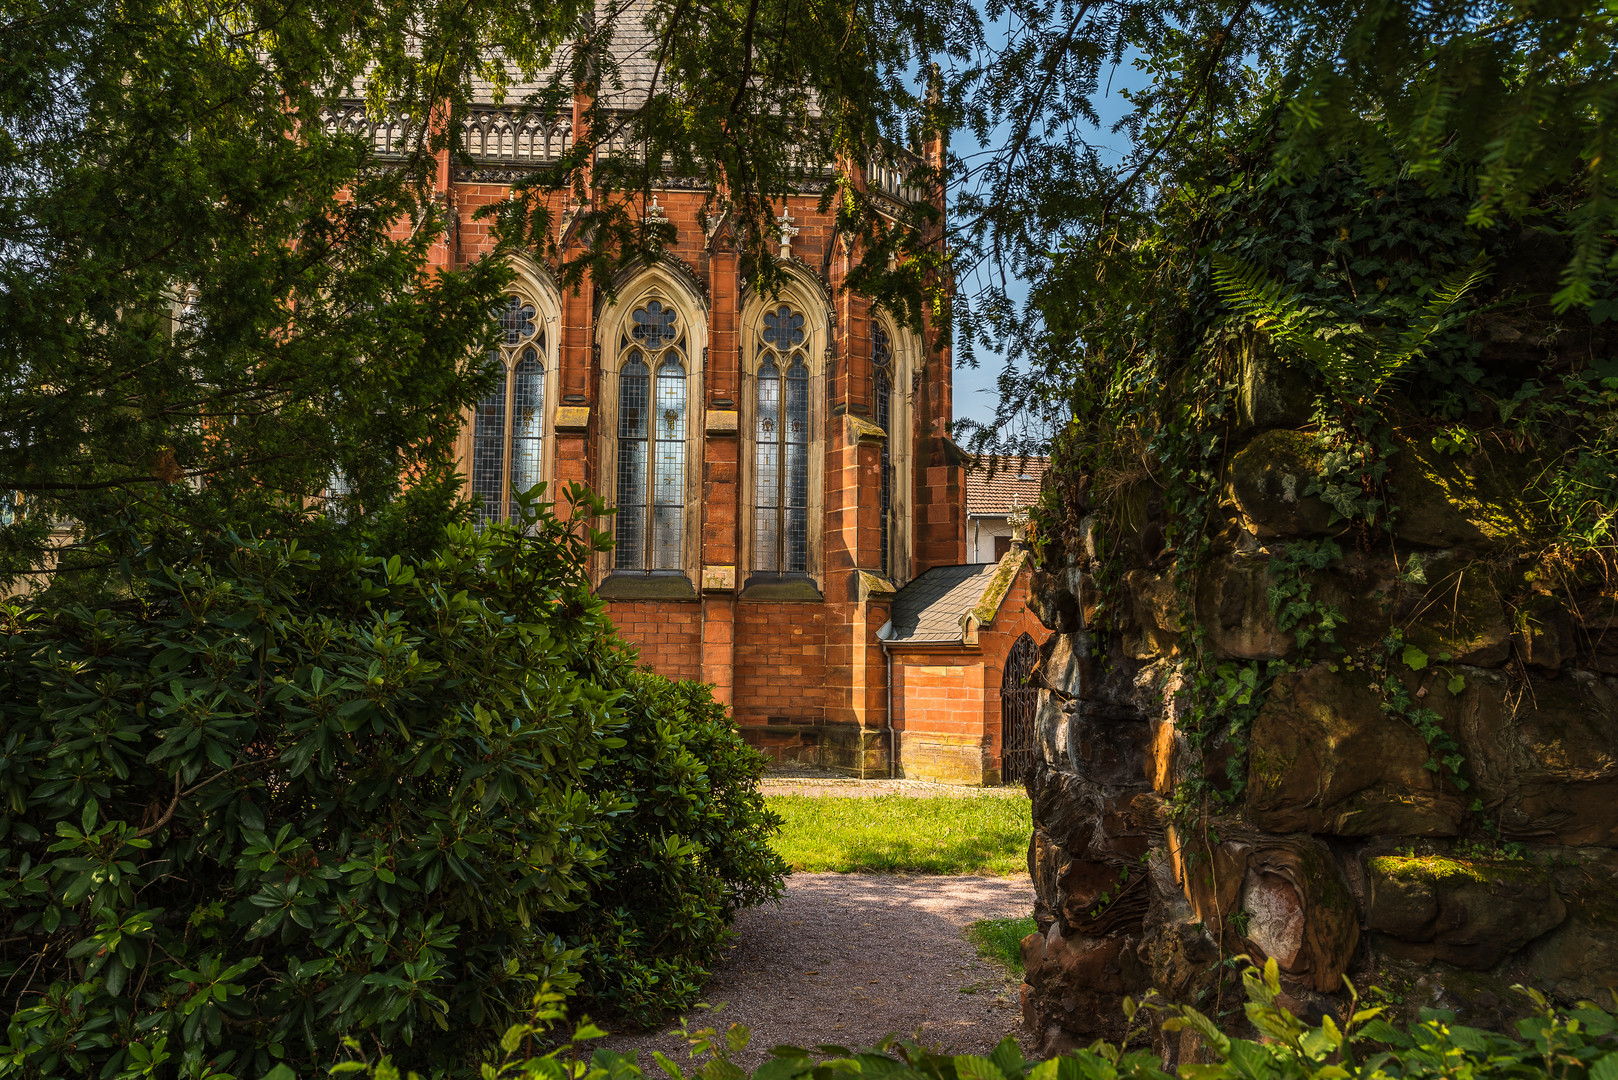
(781, 447)
(652, 421)
(508, 430)
(882, 373)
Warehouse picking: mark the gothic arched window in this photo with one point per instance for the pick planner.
(882, 369)
(651, 441)
(508, 430)
(781, 447)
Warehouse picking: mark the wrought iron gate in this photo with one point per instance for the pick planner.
(1018, 701)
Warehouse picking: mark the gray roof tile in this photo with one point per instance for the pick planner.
(930, 607)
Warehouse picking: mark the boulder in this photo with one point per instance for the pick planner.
(1323, 757)
(1458, 616)
(1543, 752)
(1268, 478)
(1579, 959)
(1466, 912)
(1233, 609)
(1481, 501)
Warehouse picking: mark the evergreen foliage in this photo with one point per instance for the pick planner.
(1268, 1042)
(276, 797)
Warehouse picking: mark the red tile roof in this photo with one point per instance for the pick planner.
(998, 485)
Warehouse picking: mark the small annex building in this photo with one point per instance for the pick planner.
(961, 644)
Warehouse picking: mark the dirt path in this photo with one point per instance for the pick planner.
(848, 958)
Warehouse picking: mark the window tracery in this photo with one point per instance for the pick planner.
(781, 447)
(882, 373)
(509, 426)
(652, 427)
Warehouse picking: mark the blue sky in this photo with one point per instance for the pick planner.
(975, 388)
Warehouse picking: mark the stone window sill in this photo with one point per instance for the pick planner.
(779, 588)
(633, 586)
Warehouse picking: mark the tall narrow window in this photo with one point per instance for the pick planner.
(781, 448)
(508, 430)
(651, 442)
(882, 368)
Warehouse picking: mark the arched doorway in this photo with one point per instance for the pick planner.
(1018, 701)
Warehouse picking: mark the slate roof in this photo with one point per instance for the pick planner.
(998, 485)
(930, 607)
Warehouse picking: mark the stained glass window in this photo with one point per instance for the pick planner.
(781, 449)
(882, 373)
(508, 429)
(652, 427)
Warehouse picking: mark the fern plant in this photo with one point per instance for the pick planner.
(1359, 361)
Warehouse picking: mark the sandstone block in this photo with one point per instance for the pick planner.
(1323, 757)
(1483, 500)
(1544, 752)
(1469, 913)
(1268, 479)
(1233, 608)
(1299, 910)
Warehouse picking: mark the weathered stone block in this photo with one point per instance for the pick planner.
(1268, 478)
(1483, 500)
(1323, 757)
(1544, 752)
(1233, 608)
(1470, 913)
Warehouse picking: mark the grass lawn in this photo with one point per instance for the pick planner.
(1000, 940)
(971, 835)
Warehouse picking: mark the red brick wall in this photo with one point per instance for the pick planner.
(667, 632)
(780, 652)
(939, 695)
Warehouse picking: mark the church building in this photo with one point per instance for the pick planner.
(780, 466)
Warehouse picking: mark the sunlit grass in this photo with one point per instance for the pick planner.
(969, 835)
(1000, 940)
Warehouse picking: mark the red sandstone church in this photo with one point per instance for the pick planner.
(790, 521)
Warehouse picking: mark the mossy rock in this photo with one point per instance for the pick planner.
(1471, 913)
(1542, 752)
(1484, 500)
(1268, 480)
(1323, 757)
(1459, 616)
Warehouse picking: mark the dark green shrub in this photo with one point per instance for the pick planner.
(690, 852)
(275, 798)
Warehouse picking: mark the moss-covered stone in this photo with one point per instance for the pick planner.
(1325, 758)
(1467, 912)
(1483, 500)
(1268, 478)
(1543, 751)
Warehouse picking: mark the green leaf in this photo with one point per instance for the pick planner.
(1414, 658)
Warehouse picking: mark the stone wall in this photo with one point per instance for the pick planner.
(1443, 863)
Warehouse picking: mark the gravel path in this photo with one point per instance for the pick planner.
(849, 958)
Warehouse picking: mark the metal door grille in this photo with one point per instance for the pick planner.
(1018, 702)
